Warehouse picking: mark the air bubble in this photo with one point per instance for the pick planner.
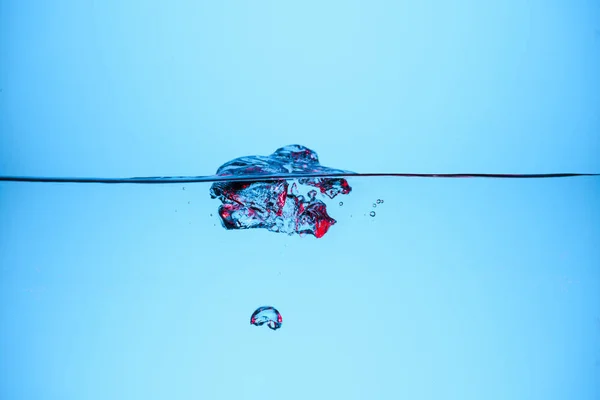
(374, 205)
(266, 315)
(372, 213)
(341, 203)
(277, 205)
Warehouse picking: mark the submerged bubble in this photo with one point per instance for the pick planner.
(341, 203)
(374, 205)
(372, 213)
(266, 315)
(379, 201)
(275, 204)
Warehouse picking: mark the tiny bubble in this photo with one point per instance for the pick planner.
(188, 202)
(379, 201)
(372, 213)
(183, 188)
(374, 205)
(341, 203)
(211, 215)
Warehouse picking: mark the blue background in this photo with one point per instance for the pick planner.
(457, 289)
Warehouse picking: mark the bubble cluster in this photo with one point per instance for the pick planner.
(275, 204)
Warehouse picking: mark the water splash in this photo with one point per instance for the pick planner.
(276, 205)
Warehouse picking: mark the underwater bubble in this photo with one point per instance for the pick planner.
(266, 315)
(341, 203)
(374, 205)
(372, 213)
(276, 205)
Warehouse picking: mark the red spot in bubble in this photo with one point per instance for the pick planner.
(322, 228)
(281, 202)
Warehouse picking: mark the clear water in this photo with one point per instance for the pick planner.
(448, 289)
(457, 289)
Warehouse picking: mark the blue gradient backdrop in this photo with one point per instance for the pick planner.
(457, 289)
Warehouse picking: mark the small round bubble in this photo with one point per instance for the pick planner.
(374, 205)
(372, 213)
(341, 203)
(379, 201)
(266, 315)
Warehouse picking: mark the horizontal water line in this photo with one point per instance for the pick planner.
(265, 177)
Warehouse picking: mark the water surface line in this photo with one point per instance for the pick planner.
(268, 177)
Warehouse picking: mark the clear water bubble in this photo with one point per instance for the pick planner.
(372, 213)
(341, 203)
(276, 205)
(266, 315)
(374, 205)
(379, 201)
